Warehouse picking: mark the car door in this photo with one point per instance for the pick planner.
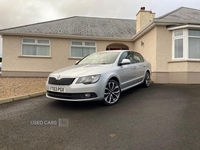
(126, 71)
(139, 67)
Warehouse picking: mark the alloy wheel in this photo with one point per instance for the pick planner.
(147, 79)
(112, 92)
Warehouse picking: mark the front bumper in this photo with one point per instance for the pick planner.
(78, 92)
(72, 96)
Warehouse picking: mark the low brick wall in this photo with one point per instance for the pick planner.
(12, 87)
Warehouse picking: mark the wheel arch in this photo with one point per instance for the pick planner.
(148, 72)
(114, 78)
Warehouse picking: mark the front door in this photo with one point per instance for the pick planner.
(126, 72)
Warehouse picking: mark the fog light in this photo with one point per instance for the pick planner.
(87, 95)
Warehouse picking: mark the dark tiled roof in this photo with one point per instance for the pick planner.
(181, 15)
(81, 26)
(102, 27)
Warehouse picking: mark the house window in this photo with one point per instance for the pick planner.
(81, 49)
(194, 44)
(35, 47)
(186, 44)
(178, 48)
(178, 44)
(178, 33)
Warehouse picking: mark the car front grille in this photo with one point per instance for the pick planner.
(63, 81)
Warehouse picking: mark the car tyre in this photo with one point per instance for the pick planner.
(147, 80)
(112, 93)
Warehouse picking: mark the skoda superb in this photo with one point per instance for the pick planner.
(99, 76)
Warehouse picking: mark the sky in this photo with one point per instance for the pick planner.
(22, 12)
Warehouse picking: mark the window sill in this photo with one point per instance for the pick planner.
(48, 57)
(178, 61)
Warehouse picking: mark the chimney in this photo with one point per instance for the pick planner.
(142, 8)
(144, 17)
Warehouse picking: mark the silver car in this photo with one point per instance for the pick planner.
(99, 76)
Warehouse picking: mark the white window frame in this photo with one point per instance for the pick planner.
(185, 38)
(83, 45)
(185, 43)
(36, 43)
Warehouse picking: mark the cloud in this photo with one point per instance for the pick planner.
(22, 12)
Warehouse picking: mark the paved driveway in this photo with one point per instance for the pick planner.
(163, 117)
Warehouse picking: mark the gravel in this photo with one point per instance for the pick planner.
(12, 87)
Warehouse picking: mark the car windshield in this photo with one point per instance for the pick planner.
(100, 58)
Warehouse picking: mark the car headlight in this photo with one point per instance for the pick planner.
(88, 79)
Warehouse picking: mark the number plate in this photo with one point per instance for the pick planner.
(57, 89)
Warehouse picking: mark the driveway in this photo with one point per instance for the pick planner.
(163, 117)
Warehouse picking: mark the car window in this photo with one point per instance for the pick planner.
(99, 58)
(130, 57)
(127, 55)
(123, 56)
(138, 58)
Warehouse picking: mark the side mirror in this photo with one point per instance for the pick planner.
(125, 62)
